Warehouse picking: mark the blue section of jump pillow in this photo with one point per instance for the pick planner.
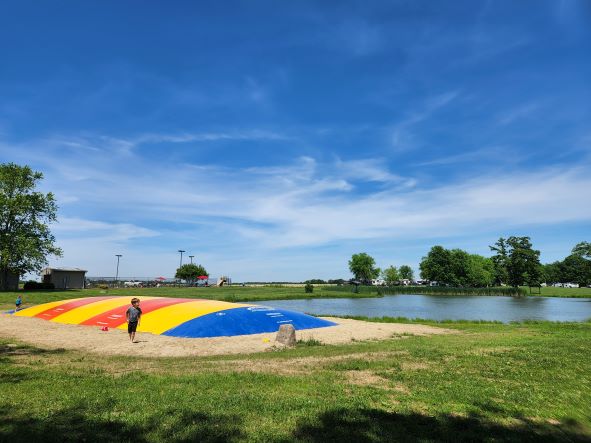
(243, 321)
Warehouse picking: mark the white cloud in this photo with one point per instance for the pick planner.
(228, 215)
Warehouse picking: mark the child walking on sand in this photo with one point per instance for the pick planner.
(133, 317)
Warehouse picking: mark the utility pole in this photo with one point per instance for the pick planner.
(117, 272)
(181, 251)
(191, 257)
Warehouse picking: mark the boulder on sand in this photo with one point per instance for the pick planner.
(286, 335)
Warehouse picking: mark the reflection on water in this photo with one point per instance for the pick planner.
(446, 307)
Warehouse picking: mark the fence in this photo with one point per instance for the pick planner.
(145, 282)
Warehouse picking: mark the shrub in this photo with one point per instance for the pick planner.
(309, 288)
(36, 286)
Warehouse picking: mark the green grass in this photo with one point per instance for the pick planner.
(550, 291)
(490, 382)
(227, 293)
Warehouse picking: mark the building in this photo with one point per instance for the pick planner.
(64, 278)
(12, 279)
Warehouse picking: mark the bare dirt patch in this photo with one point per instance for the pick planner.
(50, 335)
(366, 378)
(413, 365)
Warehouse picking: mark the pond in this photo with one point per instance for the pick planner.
(445, 307)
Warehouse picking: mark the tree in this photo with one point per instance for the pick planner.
(456, 267)
(481, 271)
(575, 269)
(551, 272)
(583, 249)
(436, 265)
(190, 272)
(390, 275)
(500, 261)
(25, 215)
(521, 260)
(362, 266)
(406, 272)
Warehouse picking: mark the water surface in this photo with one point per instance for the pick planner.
(445, 307)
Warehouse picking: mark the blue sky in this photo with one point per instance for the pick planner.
(272, 140)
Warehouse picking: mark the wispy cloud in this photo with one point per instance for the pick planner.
(304, 203)
(492, 154)
(517, 113)
(403, 137)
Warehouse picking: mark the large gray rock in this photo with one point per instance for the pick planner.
(286, 335)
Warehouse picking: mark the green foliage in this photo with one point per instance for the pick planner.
(362, 266)
(406, 272)
(500, 262)
(480, 272)
(573, 268)
(583, 249)
(517, 261)
(25, 215)
(309, 342)
(309, 288)
(448, 290)
(316, 281)
(390, 275)
(190, 272)
(36, 286)
(456, 268)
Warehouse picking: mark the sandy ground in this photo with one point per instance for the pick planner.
(50, 335)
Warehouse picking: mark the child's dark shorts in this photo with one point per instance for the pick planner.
(131, 326)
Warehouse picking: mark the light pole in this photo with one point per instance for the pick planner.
(117, 272)
(181, 251)
(191, 257)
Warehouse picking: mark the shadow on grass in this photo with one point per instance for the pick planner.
(85, 425)
(370, 425)
(7, 351)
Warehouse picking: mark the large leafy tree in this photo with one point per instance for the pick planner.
(390, 275)
(435, 266)
(363, 267)
(406, 272)
(500, 261)
(480, 272)
(575, 269)
(520, 261)
(190, 272)
(456, 267)
(25, 216)
(551, 272)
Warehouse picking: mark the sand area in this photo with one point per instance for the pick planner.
(50, 335)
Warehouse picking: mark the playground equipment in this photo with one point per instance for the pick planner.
(175, 317)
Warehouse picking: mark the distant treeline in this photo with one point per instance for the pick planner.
(515, 263)
(444, 290)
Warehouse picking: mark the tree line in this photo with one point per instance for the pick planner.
(514, 263)
(363, 267)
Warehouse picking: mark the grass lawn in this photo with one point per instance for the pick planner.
(225, 293)
(550, 291)
(491, 382)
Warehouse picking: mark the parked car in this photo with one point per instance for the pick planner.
(133, 284)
